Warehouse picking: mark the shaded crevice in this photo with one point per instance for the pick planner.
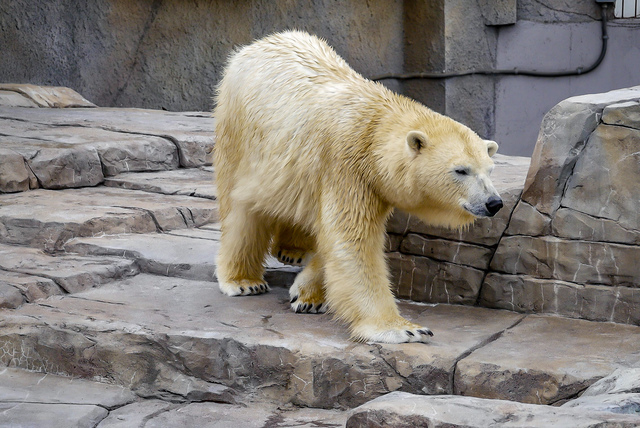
(495, 249)
(153, 13)
(480, 345)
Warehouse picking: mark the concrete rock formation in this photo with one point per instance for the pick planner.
(567, 241)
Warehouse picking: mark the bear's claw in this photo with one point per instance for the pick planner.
(300, 307)
(244, 287)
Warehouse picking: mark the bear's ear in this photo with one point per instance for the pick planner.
(416, 140)
(492, 147)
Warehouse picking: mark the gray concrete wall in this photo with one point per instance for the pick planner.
(521, 102)
(169, 53)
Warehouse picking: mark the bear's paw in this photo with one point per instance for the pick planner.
(401, 334)
(244, 287)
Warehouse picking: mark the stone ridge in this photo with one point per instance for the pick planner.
(567, 241)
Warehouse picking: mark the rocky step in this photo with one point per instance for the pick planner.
(174, 338)
(28, 274)
(65, 148)
(29, 399)
(187, 253)
(46, 219)
(406, 410)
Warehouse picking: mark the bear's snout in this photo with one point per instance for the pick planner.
(493, 205)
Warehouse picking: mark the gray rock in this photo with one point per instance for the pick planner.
(186, 254)
(30, 286)
(581, 262)
(47, 219)
(58, 166)
(448, 251)
(600, 183)
(10, 296)
(402, 410)
(14, 99)
(153, 413)
(20, 385)
(14, 174)
(621, 381)
(568, 223)
(623, 114)
(523, 293)
(118, 151)
(615, 403)
(426, 280)
(563, 135)
(193, 134)
(188, 181)
(526, 220)
(546, 359)
(48, 96)
(146, 331)
(28, 415)
(69, 272)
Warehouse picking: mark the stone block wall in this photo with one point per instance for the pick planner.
(567, 241)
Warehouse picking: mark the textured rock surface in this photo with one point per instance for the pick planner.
(133, 332)
(48, 96)
(588, 350)
(404, 410)
(192, 133)
(47, 219)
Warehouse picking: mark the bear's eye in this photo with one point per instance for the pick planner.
(461, 171)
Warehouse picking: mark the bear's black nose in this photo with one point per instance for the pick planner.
(493, 205)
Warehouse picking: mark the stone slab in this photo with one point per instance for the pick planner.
(48, 96)
(31, 287)
(562, 358)
(145, 331)
(14, 99)
(14, 173)
(614, 403)
(47, 219)
(426, 280)
(447, 251)
(58, 166)
(18, 385)
(621, 381)
(404, 410)
(580, 262)
(35, 415)
(71, 273)
(623, 114)
(524, 293)
(187, 181)
(563, 135)
(118, 151)
(192, 133)
(572, 224)
(153, 413)
(186, 254)
(600, 181)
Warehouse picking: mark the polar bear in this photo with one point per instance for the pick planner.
(310, 159)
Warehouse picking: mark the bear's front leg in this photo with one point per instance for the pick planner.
(357, 287)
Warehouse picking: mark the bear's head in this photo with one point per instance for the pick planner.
(442, 171)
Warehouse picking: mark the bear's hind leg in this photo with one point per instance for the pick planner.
(243, 246)
(307, 291)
